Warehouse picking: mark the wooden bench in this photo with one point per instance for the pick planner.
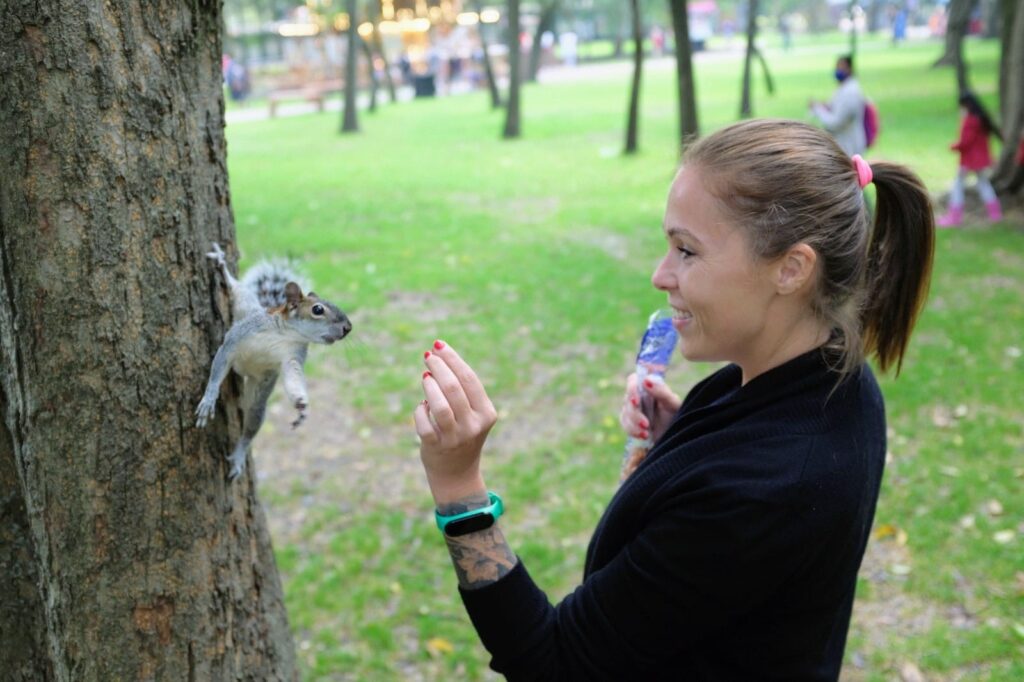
(311, 92)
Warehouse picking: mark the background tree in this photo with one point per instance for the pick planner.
(746, 99)
(633, 122)
(545, 23)
(512, 128)
(956, 28)
(350, 117)
(492, 82)
(688, 127)
(373, 15)
(124, 552)
(1009, 174)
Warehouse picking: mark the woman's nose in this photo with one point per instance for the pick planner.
(661, 279)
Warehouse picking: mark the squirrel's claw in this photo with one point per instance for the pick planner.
(303, 408)
(217, 256)
(204, 411)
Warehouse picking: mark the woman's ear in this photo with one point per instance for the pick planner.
(795, 270)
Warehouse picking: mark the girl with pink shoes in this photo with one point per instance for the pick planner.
(975, 129)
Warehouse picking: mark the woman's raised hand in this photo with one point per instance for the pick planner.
(452, 423)
(666, 403)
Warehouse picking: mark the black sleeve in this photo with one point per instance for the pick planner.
(705, 558)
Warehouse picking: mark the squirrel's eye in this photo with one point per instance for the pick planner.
(318, 309)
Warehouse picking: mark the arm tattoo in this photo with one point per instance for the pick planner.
(480, 558)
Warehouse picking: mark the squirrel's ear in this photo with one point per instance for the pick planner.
(292, 294)
(310, 294)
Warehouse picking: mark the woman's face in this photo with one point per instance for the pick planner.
(721, 294)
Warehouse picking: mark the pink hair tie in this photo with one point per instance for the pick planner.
(864, 174)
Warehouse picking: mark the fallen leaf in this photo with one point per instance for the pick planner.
(437, 646)
(900, 569)
(911, 673)
(1018, 628)
(1013, 352)
(967, 521)
(994, 508)
(1003, 537)
(941, 417)
(884, 531)
(948, 470)
(960, 412)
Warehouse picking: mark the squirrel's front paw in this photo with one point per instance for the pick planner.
(205, 411)
(217, 255)
(303, 409)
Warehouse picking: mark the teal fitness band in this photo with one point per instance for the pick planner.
(472, 520)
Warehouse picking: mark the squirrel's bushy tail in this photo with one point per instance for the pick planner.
(267, 279)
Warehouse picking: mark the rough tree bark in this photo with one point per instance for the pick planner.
(124, 552)
(688, 127)
(1009, 174)
(633, 122)
(956, 29)
(512, 127)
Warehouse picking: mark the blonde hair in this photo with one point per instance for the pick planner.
(786, 183)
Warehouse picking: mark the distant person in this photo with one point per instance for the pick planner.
(731, 551)
(238, 80)
(975, 157)
(843, 116)
(657, 40)
(899, 26)
(567, 43)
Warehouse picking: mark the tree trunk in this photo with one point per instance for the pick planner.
(745, 107)
(515, 73)
(368, 53)
(125, 554)
(492, 82)
(373, 13)
(956, 29)
(544, 24)
(350, 117)
(1009, 174)
(769, 84)
(688, 128)
(633, 124)
(853, 29)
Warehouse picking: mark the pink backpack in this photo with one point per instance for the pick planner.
(872, 124)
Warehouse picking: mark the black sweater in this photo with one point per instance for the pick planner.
(730, 554)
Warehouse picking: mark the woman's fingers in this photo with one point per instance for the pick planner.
(468, 380)
(425, 428)
(666, 398)
(438, 404)
(450, 384)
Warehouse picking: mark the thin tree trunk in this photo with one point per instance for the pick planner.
(350, 120)
(633, 124)
(512, 127)
(956, 29)
(368, 53)
(125, 554)
(373, 12)
(853, 28)
(545, 24)
(688, 127)
(745, 106)
(1009, 175)
(492, 82)
(769, 84)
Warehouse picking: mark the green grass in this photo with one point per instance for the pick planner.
(533, 258)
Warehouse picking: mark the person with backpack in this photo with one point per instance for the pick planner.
(843, 116)
(975, 128)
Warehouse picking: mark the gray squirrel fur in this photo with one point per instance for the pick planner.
(274, 325)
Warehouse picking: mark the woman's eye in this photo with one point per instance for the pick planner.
(318, 309)
(685, 251)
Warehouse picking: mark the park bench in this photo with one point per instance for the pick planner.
(314, 92)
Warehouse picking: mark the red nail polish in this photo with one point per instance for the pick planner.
(648, 383)
(438, 345)
(426, 354)
(643, 434)
(426, 374)
(644, 424)
(636, 403)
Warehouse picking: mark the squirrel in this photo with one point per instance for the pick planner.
(274, 323)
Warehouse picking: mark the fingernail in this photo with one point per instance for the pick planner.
(426, 354)
(636, 403)
(426, 374)
(438, 345)
(643, 434)
(644, 424)
(648, 383)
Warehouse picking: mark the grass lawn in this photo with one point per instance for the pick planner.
(533, 258)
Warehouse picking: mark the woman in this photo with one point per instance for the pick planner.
(732, 551)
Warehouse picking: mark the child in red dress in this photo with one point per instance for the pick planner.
(975, 157)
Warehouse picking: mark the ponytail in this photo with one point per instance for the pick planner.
(899, 263)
